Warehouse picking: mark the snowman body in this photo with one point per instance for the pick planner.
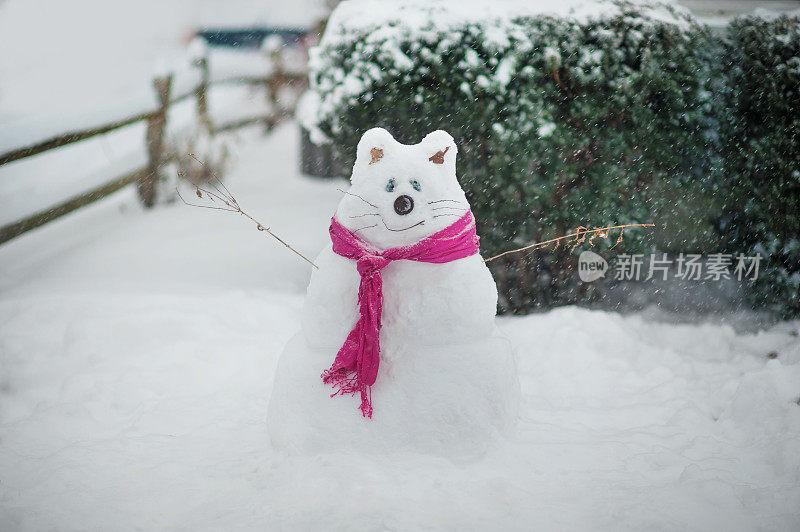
(447, 381)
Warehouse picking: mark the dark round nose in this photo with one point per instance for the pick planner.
(403, 205)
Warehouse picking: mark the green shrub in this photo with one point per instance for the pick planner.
(561, 121)
(761, 170)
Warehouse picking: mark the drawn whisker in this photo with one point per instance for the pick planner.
(448, 207)
(441, 200)
(357, 196)
(448, 214)
(368, 214)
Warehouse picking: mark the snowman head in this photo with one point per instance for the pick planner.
(400, 193)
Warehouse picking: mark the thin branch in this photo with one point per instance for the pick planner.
(215, 177)
(203, 206)
(619, 238)
(227, 199)
(579, 236)
(232, 205)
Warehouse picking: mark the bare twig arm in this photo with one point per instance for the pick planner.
(232, 205)
(579, 236)
(261, 227)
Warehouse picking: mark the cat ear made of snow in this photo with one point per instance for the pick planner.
(440, 149)
(373, 148)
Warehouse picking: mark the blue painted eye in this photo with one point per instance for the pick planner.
(415, 185)
(390, 185)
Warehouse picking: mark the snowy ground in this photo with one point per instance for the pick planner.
(137, 351)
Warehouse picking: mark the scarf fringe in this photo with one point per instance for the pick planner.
(346, 382)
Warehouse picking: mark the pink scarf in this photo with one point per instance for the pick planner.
(356, 365)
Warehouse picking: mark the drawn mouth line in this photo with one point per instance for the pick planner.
(398, 230)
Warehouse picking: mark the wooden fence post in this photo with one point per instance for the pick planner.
(275, 81)
(202, 95)
(156, 126)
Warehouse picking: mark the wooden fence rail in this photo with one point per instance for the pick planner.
(156, 119)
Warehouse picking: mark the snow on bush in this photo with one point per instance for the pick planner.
(565, 114)
(762, 162)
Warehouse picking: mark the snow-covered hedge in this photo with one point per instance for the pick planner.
(563, 117)
(762, 157)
